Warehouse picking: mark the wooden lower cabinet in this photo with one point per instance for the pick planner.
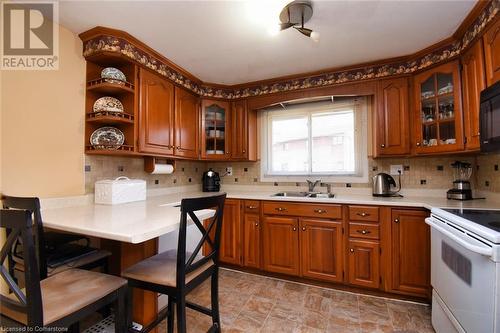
(321, 249)
(410, 252)
(230, 238)
(281, 245)
(251, 240)
(364, 263)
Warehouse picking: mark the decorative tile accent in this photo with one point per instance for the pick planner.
(105, 43)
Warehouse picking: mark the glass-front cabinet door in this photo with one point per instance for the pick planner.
(438, 112)
(215, 122)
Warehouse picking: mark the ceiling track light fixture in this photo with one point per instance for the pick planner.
(295, 14)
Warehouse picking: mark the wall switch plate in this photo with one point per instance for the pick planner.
(395, 168)
(229, 171)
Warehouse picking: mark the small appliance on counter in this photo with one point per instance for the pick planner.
(120, 190)
(462, 171)
(382, 186)
(211, 181)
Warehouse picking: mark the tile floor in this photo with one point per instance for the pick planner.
(252, 303)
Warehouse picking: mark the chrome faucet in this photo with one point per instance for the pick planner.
(312, 184)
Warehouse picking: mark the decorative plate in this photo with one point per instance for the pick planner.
(107, 138)
(107, 103)
(113, 74)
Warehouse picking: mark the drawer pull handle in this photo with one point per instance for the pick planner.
(363, 232)
(363, 214)
(280, 209)
(251, 207)
(396, 220)
(320, 211)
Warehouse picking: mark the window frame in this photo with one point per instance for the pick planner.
(358, 105)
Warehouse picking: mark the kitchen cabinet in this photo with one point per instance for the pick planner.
(491, 41)
(281, 245)
(230, 246)
(363, 263)
(391, 130)
(251, 240)
(473, 82)
(438, 124)
(321, 249)
(215, 130)
(186, 124)
(243, 132)
(156, 114)
(410, 252)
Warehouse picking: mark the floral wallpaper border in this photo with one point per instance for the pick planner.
(107, 43)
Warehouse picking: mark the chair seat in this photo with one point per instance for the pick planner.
(161, 269)
(82, 261)
(68, 292)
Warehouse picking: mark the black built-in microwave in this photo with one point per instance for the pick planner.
(489, 118)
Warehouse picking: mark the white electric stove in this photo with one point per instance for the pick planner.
(465, 270)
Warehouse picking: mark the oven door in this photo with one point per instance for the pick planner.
(464, 276)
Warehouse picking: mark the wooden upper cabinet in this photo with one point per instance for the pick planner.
(251, 240)
(392, 118)
(186, 124)
(473, 82)
(364, 263)
(243, 132)
(230, 245)
(437, 114)
(281, 245)
(321, 249)
(410, 263)
(156, 114)
(215, 130)
(491, 41)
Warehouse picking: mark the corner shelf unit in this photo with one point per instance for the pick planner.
(125, 92)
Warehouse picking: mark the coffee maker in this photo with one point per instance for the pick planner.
(461, 190)
(211, 181)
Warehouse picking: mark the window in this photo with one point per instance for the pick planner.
(320, 138)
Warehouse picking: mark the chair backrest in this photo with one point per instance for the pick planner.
(31, 204)
(210, 234)
(28, 303)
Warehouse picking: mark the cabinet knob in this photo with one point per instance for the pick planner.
(320, 211)
(363, 232)
(227, 152)
(294, 228)
(363, 214)
(251, 207)
(244, 151)
(396, 220)
(303, 228)
(280, 209)
(178, 147)
(382, 145)
(418, 144)
(256, 224)
(351, 250)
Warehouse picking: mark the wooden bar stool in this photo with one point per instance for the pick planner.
(94, 259)
(176, 273)
(60, 300)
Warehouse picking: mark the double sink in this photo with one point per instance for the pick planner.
(304, 195)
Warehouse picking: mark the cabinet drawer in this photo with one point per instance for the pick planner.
(363, 213)
(252, 206)
(363, 230)
(303, 210)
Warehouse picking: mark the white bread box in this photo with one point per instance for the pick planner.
(118, 191)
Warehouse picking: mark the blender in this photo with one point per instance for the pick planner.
(461, 190)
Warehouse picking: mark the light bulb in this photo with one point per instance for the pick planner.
(315, 36)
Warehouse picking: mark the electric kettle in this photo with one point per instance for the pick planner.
(382, 185)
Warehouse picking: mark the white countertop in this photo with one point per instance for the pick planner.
(141, 221)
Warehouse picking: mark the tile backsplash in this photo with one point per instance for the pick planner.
(419, 172)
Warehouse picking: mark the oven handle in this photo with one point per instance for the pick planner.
(485, 251)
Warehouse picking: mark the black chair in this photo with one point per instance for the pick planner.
(44, 240)
(176, 273)
(60, 300)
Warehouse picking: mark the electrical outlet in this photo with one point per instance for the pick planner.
(229, 171)
(396, 168)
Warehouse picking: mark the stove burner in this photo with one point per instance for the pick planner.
(487, 218)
